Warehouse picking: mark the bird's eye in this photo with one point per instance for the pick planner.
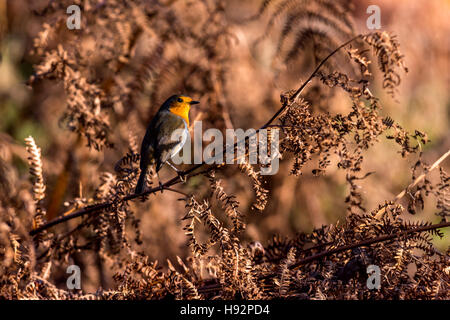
(180, 100)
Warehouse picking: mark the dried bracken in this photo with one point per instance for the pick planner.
(36, 171)
(386, 48)
(260, 192)
(111, 76)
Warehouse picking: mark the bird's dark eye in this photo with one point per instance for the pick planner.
(180, 100)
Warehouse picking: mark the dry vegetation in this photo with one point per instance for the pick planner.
(92, 91)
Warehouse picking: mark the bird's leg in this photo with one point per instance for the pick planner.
(179, 173)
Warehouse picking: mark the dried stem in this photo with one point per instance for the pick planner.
(415, 182)
(369, 242)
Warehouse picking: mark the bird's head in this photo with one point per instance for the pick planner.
(180, 105)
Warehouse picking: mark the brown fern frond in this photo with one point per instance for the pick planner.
(129, 159)
(315, 24)
(228, 203)
(36, 171)
(386, 48)
(261, 193)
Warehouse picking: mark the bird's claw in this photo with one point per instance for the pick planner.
(181, 176)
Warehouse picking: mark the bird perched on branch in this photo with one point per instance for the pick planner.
(159, 144)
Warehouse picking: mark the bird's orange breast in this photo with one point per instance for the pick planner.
(182, 111)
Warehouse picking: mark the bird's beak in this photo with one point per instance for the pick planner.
(194, 102)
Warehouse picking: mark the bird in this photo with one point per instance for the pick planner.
(158, 145)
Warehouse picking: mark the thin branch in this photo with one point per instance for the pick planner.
(423, 175)
(368, 242)
(103, 206)
(299, 90)
(414, 183)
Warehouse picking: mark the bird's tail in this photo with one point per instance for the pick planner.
(141, 182)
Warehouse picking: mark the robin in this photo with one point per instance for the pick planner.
(158, 145)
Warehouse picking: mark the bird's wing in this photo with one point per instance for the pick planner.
(148, 143)
(165, 140)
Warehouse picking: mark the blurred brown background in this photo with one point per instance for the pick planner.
(295, 203)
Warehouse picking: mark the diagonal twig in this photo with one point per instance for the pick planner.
(414, 183)
(368, 242)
